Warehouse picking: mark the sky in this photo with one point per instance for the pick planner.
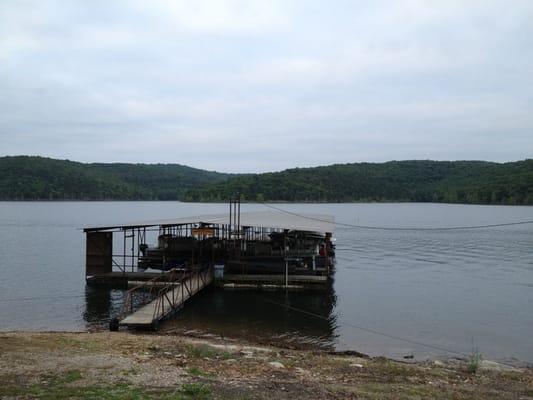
(253, 86)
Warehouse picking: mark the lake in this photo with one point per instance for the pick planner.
(438, 293)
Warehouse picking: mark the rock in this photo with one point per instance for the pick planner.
(356, 365)
(438, 363)
(247, 353)
(409, 357)
(487, 365)
(276, 364)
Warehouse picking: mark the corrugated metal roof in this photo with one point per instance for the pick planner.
(267, 219)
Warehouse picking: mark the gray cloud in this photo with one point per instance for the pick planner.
(253, 86)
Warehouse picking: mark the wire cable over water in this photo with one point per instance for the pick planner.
(384, 334)
(369, 330)
(385, 228)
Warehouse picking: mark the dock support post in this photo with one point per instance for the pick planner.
(124, 251)
(286, 273)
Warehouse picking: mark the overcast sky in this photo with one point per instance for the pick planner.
(244, 86)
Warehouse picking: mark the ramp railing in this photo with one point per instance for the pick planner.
(148, 291)
(168, 291)
(170, 297)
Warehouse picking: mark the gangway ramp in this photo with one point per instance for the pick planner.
(162, 296)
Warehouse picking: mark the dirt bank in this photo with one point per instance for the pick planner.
(124, 365)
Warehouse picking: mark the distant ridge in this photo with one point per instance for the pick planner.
(475, 182)
(40, 178)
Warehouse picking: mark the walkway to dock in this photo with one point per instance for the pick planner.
(162, 296)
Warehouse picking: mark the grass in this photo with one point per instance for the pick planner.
(195, 371)
(27, 373)
(68, 386)
(390, 371)
(381, 391)
(61, 388)
(72, 376)
(196, 391)
(474, 361)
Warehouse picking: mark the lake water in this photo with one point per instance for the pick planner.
(395, 293)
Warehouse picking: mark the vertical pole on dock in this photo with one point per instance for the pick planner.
(124, 253)
(286, 261)
(239, 215)
(138, 244)
(132, 249)
(229, 228)
(286, 273)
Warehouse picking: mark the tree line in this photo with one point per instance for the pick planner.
(474, 182)
(40, 178)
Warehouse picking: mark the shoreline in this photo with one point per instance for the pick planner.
(279, 202)
(203, 334)
(127, 364)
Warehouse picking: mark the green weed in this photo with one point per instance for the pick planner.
(196, 391)
(474, 361)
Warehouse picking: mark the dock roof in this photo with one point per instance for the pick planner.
(267, 219)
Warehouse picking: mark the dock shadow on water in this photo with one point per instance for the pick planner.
(264, 316)
(294, 319)
(101, 305)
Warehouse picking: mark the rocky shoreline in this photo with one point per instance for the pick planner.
(126, 365)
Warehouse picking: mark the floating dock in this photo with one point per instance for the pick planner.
(255, 248)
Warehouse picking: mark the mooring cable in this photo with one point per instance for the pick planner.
(384, 228)
(369, 330)
(387, 335)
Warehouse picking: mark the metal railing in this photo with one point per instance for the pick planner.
(162, 289)
(147, 291)
(172, 296)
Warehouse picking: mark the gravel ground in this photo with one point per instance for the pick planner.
(125, 365)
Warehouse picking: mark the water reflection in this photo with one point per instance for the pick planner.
(297, 318)
(302, 318)
(101, 304)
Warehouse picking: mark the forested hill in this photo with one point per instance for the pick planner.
(420, 181)
(38, 178)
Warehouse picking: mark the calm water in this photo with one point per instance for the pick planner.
(446, 289)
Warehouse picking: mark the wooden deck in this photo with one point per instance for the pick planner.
(168, 301)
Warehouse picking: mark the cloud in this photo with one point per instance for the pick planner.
(224, 16)
(253, 85)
